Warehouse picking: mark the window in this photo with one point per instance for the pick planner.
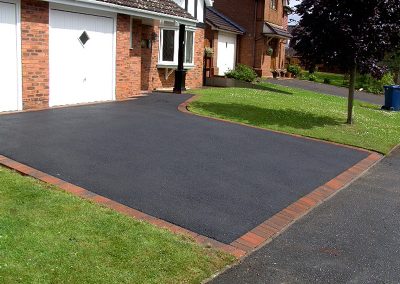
(189, 47)
(168, 45)
(274, 4)
(169, 38)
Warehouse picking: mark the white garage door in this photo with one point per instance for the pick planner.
(226, 52)
(9, 58)
(82, 60)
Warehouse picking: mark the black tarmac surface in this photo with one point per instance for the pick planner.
(352, 238)
(215, 178)
(330, 90)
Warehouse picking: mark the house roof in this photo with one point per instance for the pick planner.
(275, 31)
(222, 22)
(166, 7)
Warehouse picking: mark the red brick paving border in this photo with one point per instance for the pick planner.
(250, 241)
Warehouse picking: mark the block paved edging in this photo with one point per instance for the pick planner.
(245, 244)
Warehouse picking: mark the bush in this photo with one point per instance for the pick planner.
(312, 77)
(327, 81)
(243, 73)
(294, 69)
(372, 85)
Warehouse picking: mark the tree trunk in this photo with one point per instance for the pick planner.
(352, 85)
(397, 78)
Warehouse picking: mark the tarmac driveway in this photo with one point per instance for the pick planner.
(215, 178)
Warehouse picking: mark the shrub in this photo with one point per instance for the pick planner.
(327, 81)
(242, 72)
(371, 85)
(294, 69)
(312, 77)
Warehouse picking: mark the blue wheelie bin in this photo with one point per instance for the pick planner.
(392, 98)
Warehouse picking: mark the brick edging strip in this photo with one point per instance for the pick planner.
(245, 244)
(136, 214)
(274, 226)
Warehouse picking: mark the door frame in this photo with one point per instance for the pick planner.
(90, 12)
(17, 4)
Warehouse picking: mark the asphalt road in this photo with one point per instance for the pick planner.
(352, 238)
(329, 90)
(215, 178)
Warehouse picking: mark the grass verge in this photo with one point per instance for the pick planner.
(302, 112)
(49, 236)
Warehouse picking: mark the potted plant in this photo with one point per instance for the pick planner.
(209, 52)
(270, 51)
(275, 73)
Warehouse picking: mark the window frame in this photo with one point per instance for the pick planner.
(161, 61)
(274, 4)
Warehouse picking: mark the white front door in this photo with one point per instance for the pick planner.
(82, 59)
(226, 56)
(9, 58)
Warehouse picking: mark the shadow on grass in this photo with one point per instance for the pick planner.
(270, 89)
(264, 116)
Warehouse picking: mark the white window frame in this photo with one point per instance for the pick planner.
(174, 63)
(194, 42)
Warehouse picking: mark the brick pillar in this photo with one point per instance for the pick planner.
(35, 54)
(128, 60)
(194, 77)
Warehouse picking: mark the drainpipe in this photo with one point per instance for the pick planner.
(180, 73)
(255, 28)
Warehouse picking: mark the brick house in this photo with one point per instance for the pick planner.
(265, 23)
(63, 52)
(221, 35)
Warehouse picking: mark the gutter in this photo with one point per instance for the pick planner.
(109, 7)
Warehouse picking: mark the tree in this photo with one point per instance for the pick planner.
(353, 35)
(392, 61)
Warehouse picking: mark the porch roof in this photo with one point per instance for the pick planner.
(272, 30)
(221, 22)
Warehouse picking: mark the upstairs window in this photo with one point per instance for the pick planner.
(274, 4)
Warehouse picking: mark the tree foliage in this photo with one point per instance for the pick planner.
(345, 33)
(353, 35)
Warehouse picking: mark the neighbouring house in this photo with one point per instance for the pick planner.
(262, 46)
(222, 35)
(63, 52)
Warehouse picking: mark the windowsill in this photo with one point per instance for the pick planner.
(174, 66)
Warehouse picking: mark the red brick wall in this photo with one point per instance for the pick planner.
(253, 48)
(154, 78)
(128, 60)
(35, 54)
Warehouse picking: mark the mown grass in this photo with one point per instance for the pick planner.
(302, 112)
(48, 236)
(364, 82)
(339, 80)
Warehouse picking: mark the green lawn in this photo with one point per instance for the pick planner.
(49, 236)
(365, 82)
(302, 112)
(335, 79)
